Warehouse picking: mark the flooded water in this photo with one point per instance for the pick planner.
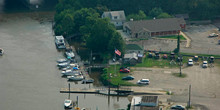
(29, 78)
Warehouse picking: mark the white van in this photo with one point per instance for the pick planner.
(60, 43)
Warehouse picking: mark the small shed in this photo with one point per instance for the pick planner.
(131, 48)
(144, 103)
(130, 58)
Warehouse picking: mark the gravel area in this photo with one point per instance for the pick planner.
(205, 83)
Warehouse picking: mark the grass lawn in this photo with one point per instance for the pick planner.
(178, 75)
(152, 62)
(115, 77)
(173, 37)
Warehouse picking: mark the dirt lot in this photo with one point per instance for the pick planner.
(205, 84)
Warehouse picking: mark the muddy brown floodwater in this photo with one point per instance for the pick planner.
(29, 78)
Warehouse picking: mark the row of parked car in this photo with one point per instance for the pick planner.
(157, 55)
(204, 63)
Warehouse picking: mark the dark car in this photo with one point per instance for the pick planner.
(150, 55)
(177, 107)
(128, 78)
(157, 55)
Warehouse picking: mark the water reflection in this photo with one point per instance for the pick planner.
(1, 5)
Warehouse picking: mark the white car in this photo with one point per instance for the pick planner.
(213, 35)
(143, 82)
(190, 62)
(68, 103)
(205, 64)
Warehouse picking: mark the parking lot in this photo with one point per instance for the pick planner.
(205, 83)
(201, 43)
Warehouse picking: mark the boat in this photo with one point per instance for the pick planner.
(63, 65)
(87, 81)
(75, 78)
(69, 54)
(62, 60)
(1, 51)
(71, 73)
(68, 103)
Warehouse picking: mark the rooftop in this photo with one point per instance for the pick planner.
(155, 25)
(133, 47)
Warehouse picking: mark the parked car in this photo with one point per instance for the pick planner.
(124, 70)
(128, 78)
(150, 55)
(157, 55)
(164, 56)
(172, 55)
(143, 82)
(205, 64)
(196, 58)
(213, 35)
(211, 59)
(177, 107)
(190, 62)
(219, 42)
(1, 52)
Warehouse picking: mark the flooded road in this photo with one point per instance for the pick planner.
(29, 78)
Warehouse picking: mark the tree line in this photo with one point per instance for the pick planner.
(81, 18)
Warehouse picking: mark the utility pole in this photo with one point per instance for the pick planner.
(180, 57)
(189, 103)
(90, 63)
(115, 63)
(69, 91)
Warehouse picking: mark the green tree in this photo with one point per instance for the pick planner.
(116, 42)
(155, 12)
(81, 15)
(164, 15)
(101, 36)
(64, 23)
(140, 16)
